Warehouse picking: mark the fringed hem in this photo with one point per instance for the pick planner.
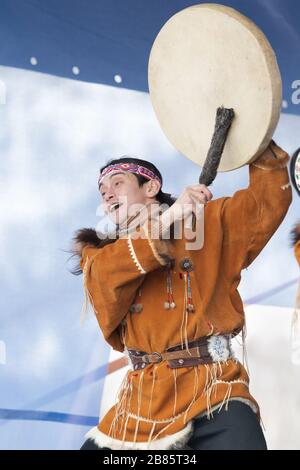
(295, 328)
(87, 296)
(218, 407)
(178, 440)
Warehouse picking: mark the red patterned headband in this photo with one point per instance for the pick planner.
(132, 167)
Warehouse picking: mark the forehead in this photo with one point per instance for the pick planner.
(108, 178)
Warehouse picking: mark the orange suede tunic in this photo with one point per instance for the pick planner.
(297, 251)
(156, 405)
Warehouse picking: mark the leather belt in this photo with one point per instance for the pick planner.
(205, 350)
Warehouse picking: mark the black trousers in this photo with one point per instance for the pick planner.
(234, 429)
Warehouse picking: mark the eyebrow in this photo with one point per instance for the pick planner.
(115, 174)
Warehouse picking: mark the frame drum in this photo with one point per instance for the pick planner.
(207, 56)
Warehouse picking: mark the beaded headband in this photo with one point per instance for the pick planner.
(132, 168)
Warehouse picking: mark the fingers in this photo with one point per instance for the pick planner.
(201, 193)
(190, 199)
(197, 198)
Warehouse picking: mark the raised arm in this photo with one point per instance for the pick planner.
(252, 215)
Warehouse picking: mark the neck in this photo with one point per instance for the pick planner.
(140, 216)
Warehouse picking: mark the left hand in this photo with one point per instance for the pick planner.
(273, 157)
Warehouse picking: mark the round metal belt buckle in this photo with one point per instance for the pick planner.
(158, 355)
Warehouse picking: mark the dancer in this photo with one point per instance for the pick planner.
(174, 310)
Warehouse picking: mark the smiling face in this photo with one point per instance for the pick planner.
(123, 197)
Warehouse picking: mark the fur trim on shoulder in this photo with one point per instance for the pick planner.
(295, 234)
(89, 237)
(86, 237)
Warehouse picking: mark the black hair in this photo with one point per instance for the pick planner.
(161, 197)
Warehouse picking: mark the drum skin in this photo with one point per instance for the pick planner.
(207, 56)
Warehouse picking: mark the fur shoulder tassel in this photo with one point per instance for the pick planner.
(87, 237)
(295, 234)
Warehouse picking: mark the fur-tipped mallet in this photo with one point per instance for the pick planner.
(224, 118)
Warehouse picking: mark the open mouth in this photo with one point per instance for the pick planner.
(114, 207)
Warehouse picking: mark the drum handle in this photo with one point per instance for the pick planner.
(224, 118)
(223, 121)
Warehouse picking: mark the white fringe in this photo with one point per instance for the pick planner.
(159, 258)
(178, 439)
(295, 330)
(217, 407)
(133, 255)
(285, 186)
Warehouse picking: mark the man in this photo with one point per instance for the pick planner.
(174, 310)
(295, 336)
